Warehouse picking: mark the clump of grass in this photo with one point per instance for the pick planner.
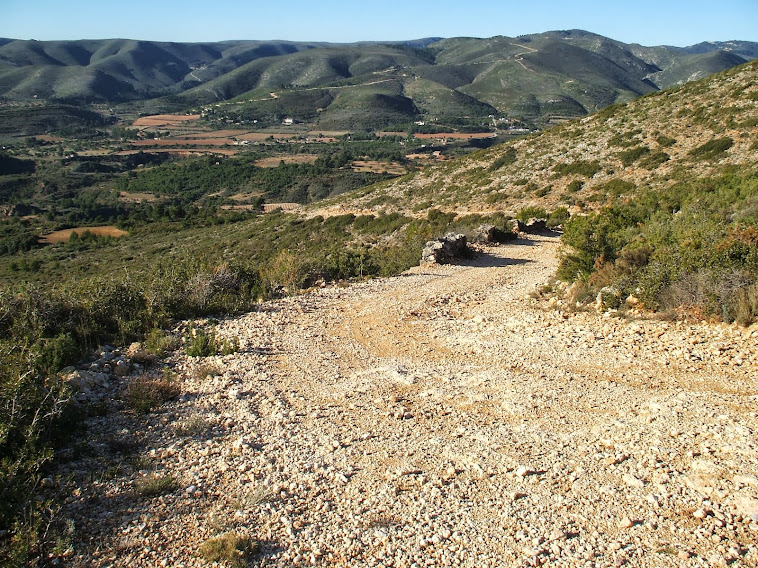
(146, 393)
(155, 486)
(193, 426)
(231, 549)
(206, 369)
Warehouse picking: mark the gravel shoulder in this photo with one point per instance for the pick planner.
(443, 417)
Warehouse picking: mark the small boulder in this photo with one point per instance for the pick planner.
(535, 225)
(516, 226)
(489, 234)
(447, 249)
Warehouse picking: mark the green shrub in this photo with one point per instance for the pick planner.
(558, 217)
(581, 167)
(531, 212)
(57, 352)
(654, 159)
(692, 246)
(628, 157)
(506, 159)
(160, 343)
(618, 187)
(32, 417)
(200, 343)
(713, 149)
(575, 186)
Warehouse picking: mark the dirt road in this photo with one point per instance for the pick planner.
(446, 418)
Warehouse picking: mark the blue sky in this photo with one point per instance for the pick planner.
(646, 22)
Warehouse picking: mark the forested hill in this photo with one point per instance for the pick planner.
(562, 73)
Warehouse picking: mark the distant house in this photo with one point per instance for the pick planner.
(289, 121)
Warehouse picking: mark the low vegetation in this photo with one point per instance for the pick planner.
(692, 249)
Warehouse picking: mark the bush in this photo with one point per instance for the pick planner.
(286, 273)
(32, 412)
(712, 149)
(690, 248)
(57, 352)
(160, 343)
(506, 159)
(581, 167)
(201, 343)
(531, 213)
(628, 157)
(558, 217)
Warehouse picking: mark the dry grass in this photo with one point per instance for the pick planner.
(145, 393)
(230, 549)
(379, 167)
(64, 235)
(269, 207)
(155, 486)
(296, 159)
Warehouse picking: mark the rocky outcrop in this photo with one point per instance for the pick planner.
(491, 235)
(452, 246)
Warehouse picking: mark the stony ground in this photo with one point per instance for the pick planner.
(439, 418)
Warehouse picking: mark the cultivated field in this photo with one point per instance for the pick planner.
(64, 235)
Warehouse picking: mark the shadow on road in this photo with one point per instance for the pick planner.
(487, 260)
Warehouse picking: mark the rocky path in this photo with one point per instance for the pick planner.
(444, 418)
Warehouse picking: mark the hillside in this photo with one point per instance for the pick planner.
(588, 163)
(468, 80)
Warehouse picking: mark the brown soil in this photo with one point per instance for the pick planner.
(455, 135)
(165, 120)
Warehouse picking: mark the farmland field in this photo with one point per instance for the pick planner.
(64, 235)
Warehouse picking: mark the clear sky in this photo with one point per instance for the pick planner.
(648, 22)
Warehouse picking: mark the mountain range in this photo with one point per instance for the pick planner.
(455, 81)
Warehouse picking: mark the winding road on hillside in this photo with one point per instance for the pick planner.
(446, 417)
